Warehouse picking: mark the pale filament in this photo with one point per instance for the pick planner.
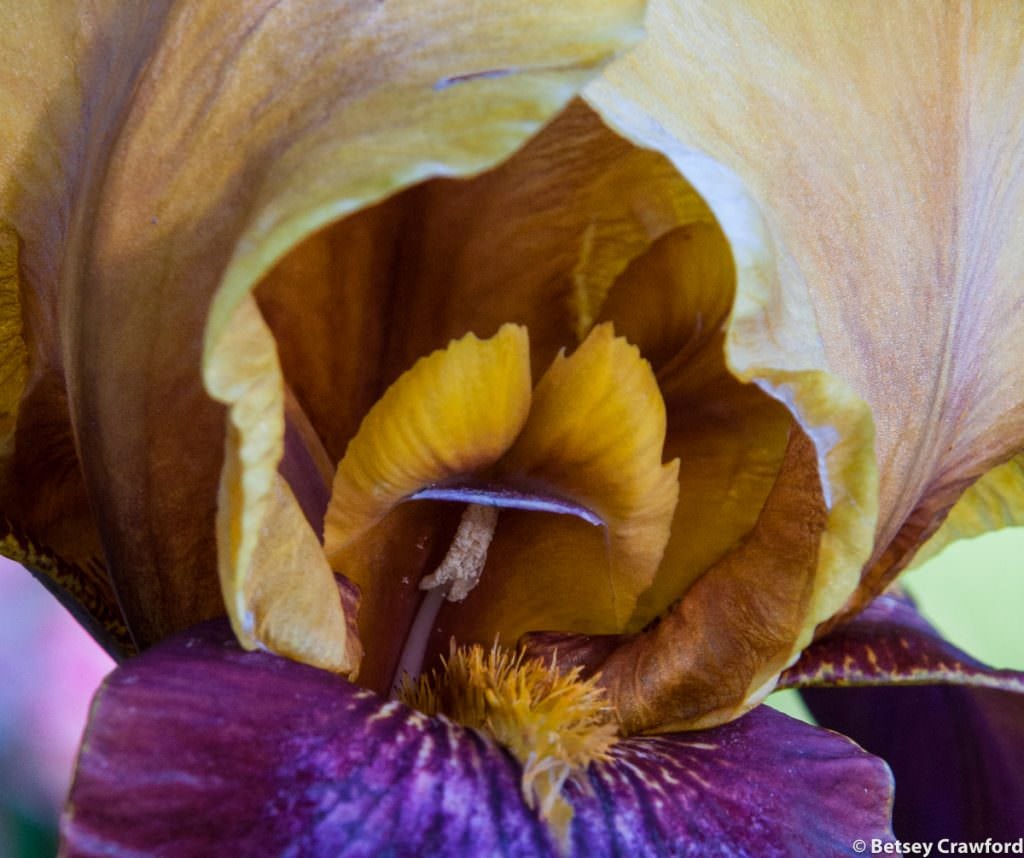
(453, 580)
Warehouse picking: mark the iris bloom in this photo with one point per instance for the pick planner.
(719, 320)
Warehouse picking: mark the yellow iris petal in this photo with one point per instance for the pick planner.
(278, 588)
(993, 502)
(884, 253)
(595, 435)
(673, 303)
(455, 413)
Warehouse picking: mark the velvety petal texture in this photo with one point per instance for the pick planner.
(866, 168)
(314, 766)
(957, 754)
(890, 643)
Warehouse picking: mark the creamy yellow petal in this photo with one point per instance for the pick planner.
(882, 144)
(233, 133)
(993, 502)
(454, 414)
(292, 604)
(278, 588)
(595, 436)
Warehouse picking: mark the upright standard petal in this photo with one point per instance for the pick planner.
(871, 175)
(68, 72)
(190, 148)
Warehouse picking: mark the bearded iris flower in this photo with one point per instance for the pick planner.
(282, 283)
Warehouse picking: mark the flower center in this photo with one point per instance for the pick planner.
(555, 724)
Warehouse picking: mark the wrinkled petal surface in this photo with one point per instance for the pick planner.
(317, 766)
(717, 652)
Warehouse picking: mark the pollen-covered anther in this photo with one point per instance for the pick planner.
(555, 724)
(467, 556)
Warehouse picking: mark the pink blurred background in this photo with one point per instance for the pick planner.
(49, 670)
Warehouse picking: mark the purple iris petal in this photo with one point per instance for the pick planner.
(197, 748)
(890, 643)
(956, 749)
(957, 754)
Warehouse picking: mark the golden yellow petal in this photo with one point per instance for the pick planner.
(773, 336)
(673, 303)
(454, 414)
(595, 435)
(216, 139)
(883, 152)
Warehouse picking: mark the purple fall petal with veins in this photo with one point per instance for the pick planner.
(890, 643)
(196, 747)
(956, 749)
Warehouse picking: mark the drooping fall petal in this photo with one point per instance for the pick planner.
(316, 765)
(956, 752)
(955, 740)
(870, 186)
(160, 151)
(890, 643)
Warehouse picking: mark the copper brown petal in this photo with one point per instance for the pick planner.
(69, 71)
(717, 652)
